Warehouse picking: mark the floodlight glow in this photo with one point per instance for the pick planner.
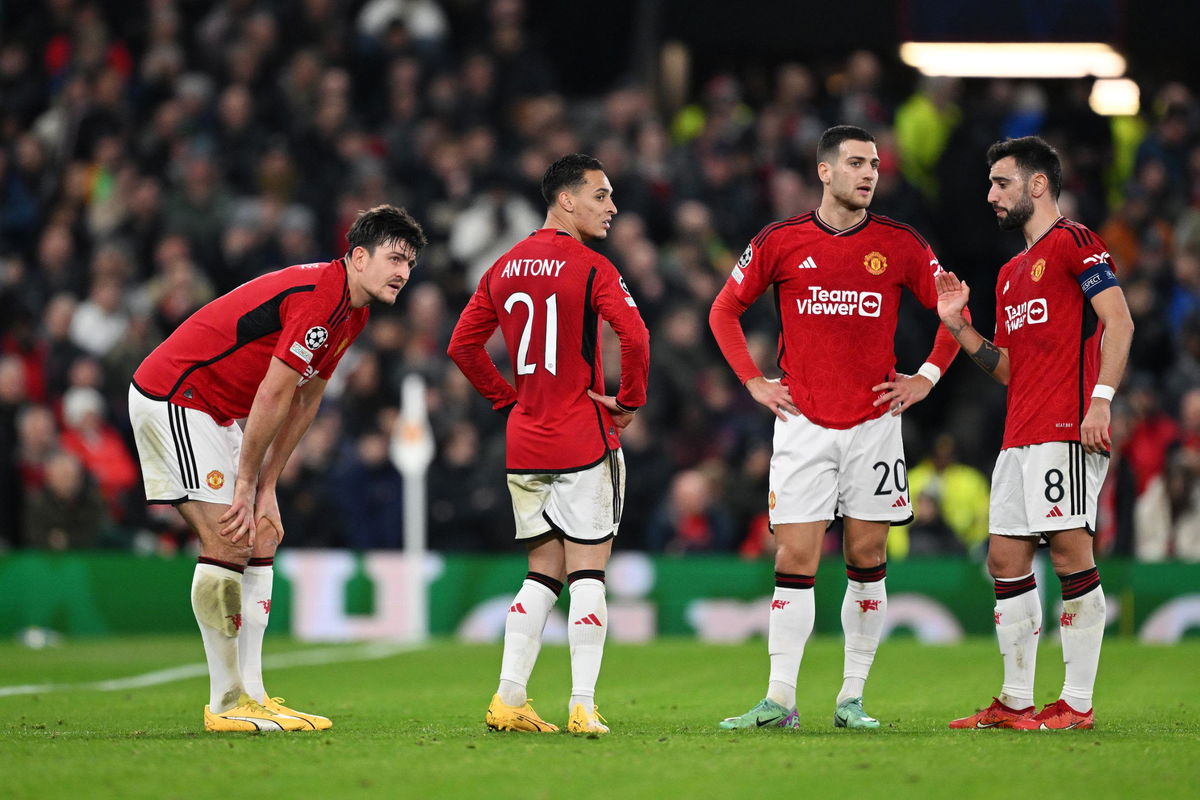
(1014, 59)
(1115, 97)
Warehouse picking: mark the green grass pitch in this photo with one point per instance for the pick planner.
(411, 725)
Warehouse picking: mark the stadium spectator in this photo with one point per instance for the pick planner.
(103, 454)
(67, 513)
(691, 519)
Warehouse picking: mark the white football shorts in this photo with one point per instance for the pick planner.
(583, 506)
(818, 473)
(1045, 487)
(185, 454)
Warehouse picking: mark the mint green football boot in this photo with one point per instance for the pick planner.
(850, 714)
(767, 714)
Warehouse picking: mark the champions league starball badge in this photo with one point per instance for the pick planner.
(315, 337)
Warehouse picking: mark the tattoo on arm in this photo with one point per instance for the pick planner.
(987, 356)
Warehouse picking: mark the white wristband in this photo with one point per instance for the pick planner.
(930, 372)
(1104, 392)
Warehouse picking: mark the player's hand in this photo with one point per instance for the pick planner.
(952, 295)
(238, 521)
(620, 418)
(266, 507)
(774, 395)
(1094, 431)
(902, 393)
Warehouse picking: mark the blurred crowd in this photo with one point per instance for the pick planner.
(156, 154)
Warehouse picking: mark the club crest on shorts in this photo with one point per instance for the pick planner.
(215, 479)
(875, 262)
(771, 500)
(1039, 267)
(315, 337)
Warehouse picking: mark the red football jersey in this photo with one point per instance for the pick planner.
(216, 359)
(1052, 333)
(837, 294)
(549, 294)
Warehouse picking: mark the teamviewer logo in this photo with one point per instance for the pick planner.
(1037, 311)
(869, 304)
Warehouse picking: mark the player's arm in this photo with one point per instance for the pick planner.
(467, 349)
(725, 320)
(306, 401)
(616, 306)
(952, 303)
(272, 403)
(1113, 312)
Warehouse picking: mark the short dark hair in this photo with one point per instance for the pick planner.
(832, 139)
(385, 224)
(1032, 154)
(567, 173)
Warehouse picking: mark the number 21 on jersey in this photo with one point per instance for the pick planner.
(550, 357)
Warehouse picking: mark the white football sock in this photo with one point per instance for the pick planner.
(864, 610)
(523, 639)
(1082, 628)
(217, 604)
(587, 625)
(256, 612)
(791, 623)
(1018, 626)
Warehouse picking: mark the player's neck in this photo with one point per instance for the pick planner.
(838, 216)
(1042, 220)
(560, 222)
(358, 295)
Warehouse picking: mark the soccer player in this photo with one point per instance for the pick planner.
(837, 274)
(263, 352)
(566, 474)
(1062, 338)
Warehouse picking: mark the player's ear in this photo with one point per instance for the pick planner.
(1038, 184)
(566, 200)
(823, 169)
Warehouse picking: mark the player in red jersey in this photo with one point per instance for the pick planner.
(1062, 338)
(566, 474)
(263, 352)
(837, 274)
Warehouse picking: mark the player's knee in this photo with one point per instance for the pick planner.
(217, 601)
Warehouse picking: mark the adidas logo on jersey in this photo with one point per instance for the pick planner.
(807, 263)
(1054, 512)
(900, 502)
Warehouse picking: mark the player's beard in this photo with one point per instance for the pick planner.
(1018, 215)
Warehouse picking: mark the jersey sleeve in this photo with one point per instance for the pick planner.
(750, 277)
(1000, 338)
(1090, 262)
(467, 348)
(614, 303)
(305, 319)
(920, 281)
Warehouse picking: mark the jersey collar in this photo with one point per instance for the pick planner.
(853, 229)
(1053, 225)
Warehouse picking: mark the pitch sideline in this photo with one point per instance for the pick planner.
(370, 651)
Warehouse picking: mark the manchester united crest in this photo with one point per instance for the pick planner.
(875, 262)
(771, 500)
(216, 479)
(1039, 267)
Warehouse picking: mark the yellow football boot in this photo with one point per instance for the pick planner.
(249, 715)
(501, 717)
(584, 721)
(314, 721)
